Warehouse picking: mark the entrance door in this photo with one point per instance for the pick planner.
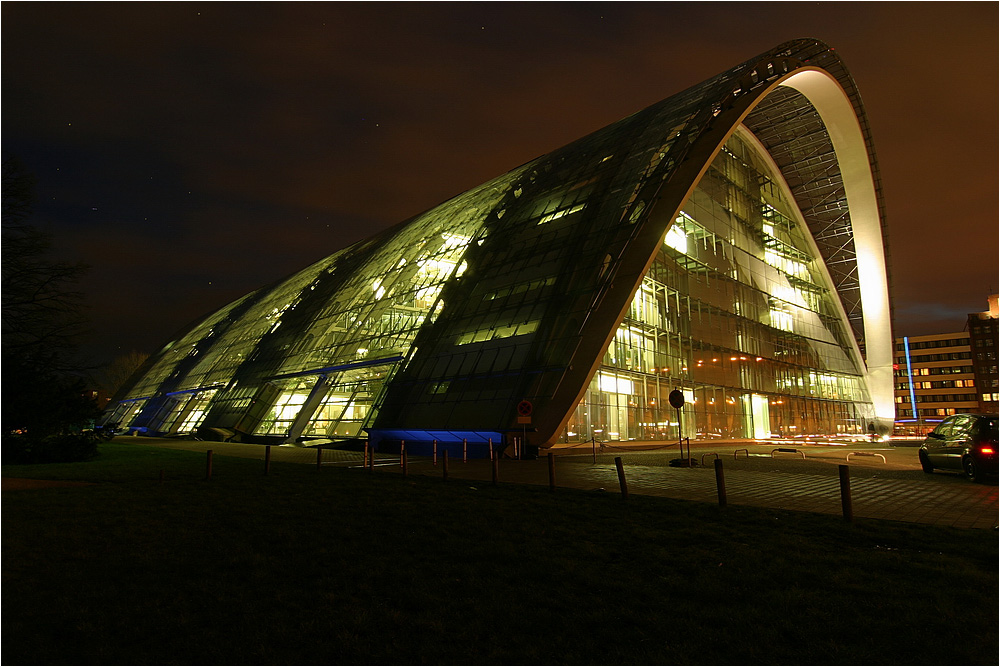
(758, 416)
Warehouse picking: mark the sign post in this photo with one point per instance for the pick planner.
(676, 399)
(524, 410)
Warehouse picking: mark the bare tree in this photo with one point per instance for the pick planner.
(121, 369)
(42, 308)
(43, 391)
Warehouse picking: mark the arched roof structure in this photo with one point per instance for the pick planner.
(513, 291)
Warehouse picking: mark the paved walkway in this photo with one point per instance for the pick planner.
(895, 489)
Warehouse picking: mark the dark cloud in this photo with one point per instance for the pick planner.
(193, 152)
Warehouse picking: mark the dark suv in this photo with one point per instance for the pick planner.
(963, 442)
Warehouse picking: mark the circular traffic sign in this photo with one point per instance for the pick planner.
(676, 399)
(524, 408)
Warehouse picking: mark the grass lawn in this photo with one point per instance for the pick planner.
(337, 566)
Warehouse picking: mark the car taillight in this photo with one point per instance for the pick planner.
(987, 450)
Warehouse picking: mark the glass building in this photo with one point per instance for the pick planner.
(727, 242)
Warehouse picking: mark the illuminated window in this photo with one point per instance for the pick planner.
(781, 319)
(498, 332)
(562, 213)
(614, 384)
(676, 239)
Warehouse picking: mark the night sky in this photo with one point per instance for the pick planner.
(192, 152)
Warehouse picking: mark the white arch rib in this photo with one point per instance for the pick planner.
(837, 113)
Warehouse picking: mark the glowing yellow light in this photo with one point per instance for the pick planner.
(676, 239)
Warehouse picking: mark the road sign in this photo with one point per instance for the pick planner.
(524, 408)
(676, 399)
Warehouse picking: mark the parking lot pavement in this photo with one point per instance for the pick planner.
(895, 490)
(755, 474)
(943, 500)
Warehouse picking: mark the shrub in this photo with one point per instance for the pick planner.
(58, 448)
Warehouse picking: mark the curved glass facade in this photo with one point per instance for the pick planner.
(705, 244)
(736, 312)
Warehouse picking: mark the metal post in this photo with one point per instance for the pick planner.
(496, 470)
(435, 446)
(593, 446)
(621, 477)
(444, 463)
(405, 462)
(402, 448)
(267, 459)
(720, 482)
(680, 436)
(371, 457)
(208, 465)
(552, 472)
(845, 492)
(319, 457)
(364, 457)
(490, 447)
(465, 450)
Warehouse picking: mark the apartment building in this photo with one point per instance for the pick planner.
(984, 342)
(937, 375)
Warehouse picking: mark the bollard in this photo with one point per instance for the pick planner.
(845, 492)
(267, 459)
(405, 462)
(435, 452)
(593, 446)
(552, 472)
(364, 457)
(319, 457)
(371, 458)
(489, 446)
(444, 464)
(465, 450)
(208, 465)
(720, 482)
(496, 470)
(402, 448)
(621, 477)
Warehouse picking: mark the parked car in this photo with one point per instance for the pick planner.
(966, 442)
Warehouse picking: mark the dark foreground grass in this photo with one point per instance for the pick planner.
(337, 566)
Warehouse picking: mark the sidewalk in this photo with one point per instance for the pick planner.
(754, 475)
